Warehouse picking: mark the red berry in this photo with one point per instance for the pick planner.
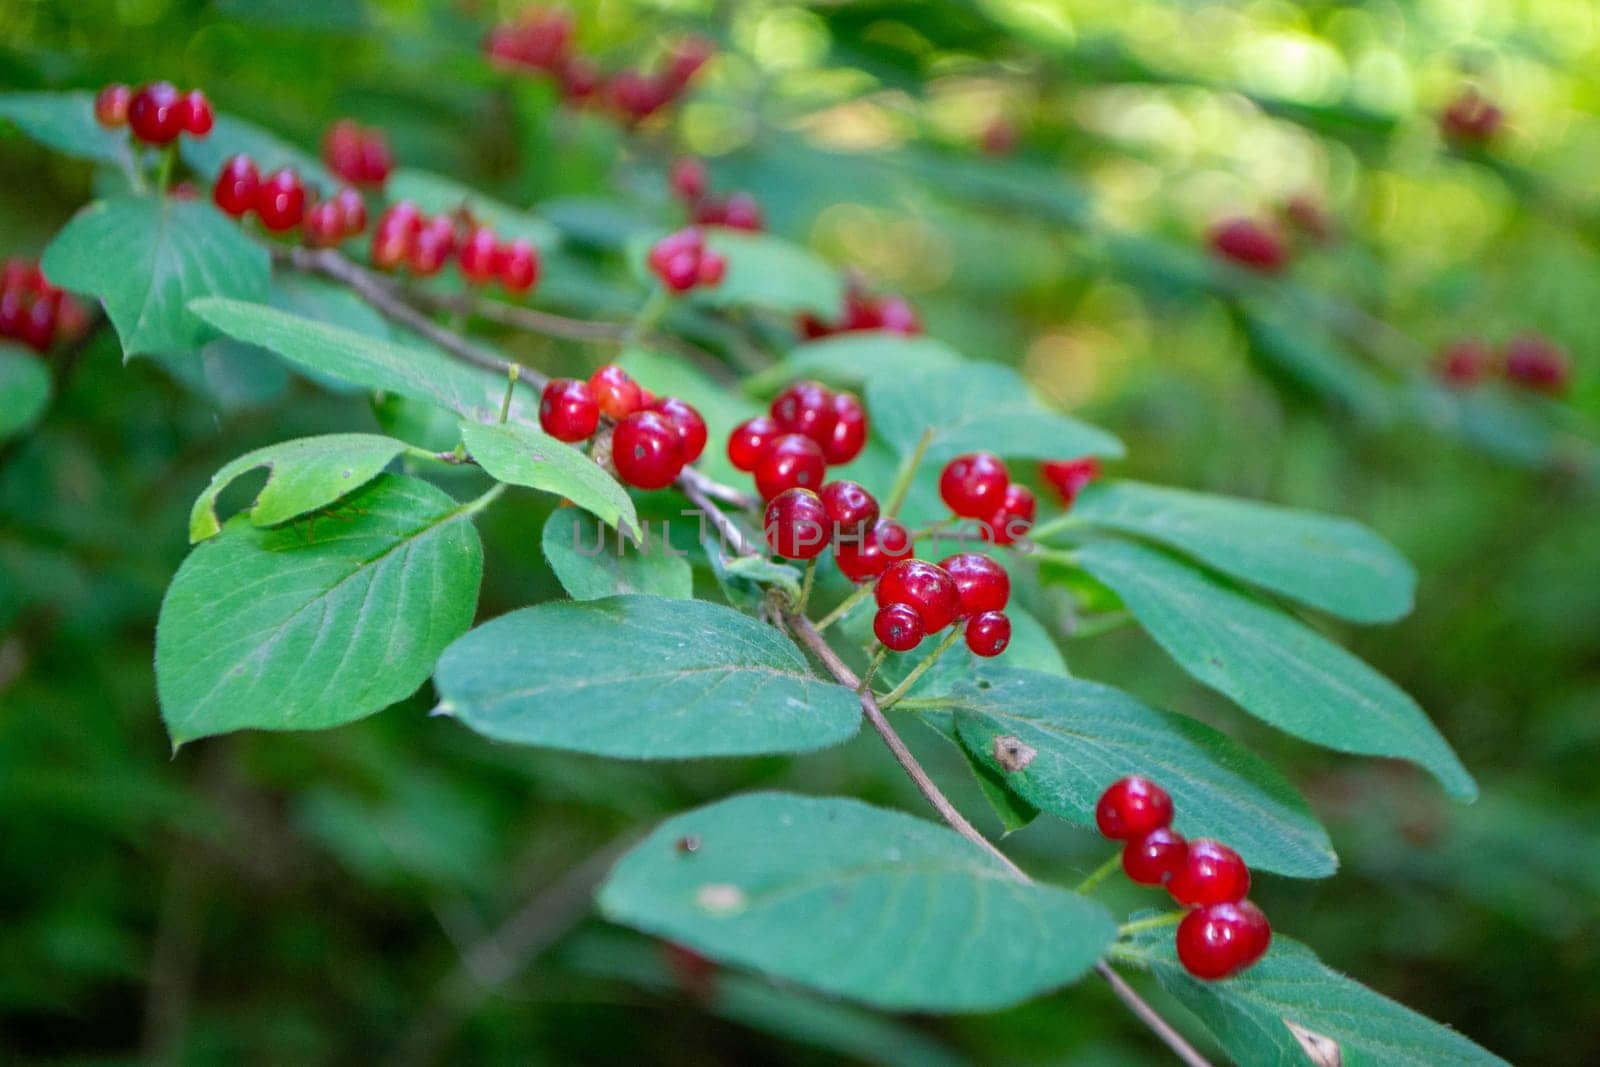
(1155, 857)
(615, 391)
(198, 118)
(749, 441)
(580, 79)
(1471, 119)
(1223, 939)
(352, 210)
(391, 243)
(687, 421)
(988, 634)
(973, 486)
(851, 509)
(519, 265)
(1464, 362)
(713, 268)
(13, 309)
(807, 408)
(19, 274)
(323, 226)
(682, 272)
(38, 326)
(432, 247)
(981, 583)
(897, 316)
(111, 106)
(376, 159)
(849, 433)
(567, 410)
(480, 255)
(1069, 476)
(1249, 244)
(1014, 517)
(712, 211)
(646, 451)
(925, 586)
(742, 213)
(1536, 362)
(237, 185)
(688, 179)
(1132, 807)
(898, 626)
(341, 150)
(797, 525)
(155, 114)
(791, 461)
(1212, 873)
(866, 556)
(281, 200)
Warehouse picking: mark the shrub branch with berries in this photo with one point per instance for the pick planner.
(891, 543)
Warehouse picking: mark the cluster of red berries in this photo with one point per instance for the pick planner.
(282, 202)
(690, 184)
(1249, 243)
(33, 311)
(1069, 476)
(1471, 119)
(1530, 360)
(542, 40)
(682, 261)
(405, 238)
(979, 486)
(156, 113)
(358, 154)
(863, 311)
(1223, 933)
(808, 429)
(653, 439)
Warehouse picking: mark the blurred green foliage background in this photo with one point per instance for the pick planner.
(364, 893)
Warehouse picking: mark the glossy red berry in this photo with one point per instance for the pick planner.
(352, 210)
(981, 583)
(988, 634)
(198, 117)
(38, 326)
(615, 391)
(927, 587)
(433, 245)
(851, 509)
(687, 421)
(864, 557)
(792, 460)
(974, 485)
(1155, 857)
(323, 226)
(797, 525)
(1132, 807)
(1249, 244)
(741, 212)
(567, 410)
(1464, 362)
(645, 450)
(749, 441)
(1014, 517)
(1069, 476)
(237, 186)
(480, 255)
(688, 179)
(899, 627)
(712, 269)
(391, 242)
(805, 407)
(849, 433)
(1212, 873)
(1223, 939)
(1471, 119)
(376, 159)
(281, 200)
(111, 106)
(156, 114)
(518, 265)
(896, 315)
(1533, 361)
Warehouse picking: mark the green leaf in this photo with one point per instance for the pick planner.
(1270, 664)
(317, 623)
(1013, 812)
(24, 389)
(1288, 350)
(523, 455)
(411, 370)
(642, 677)
(65, 123)
(854, 359)
(773, 274)
(978, 406)
(1330, 563)
(437, 195)
(591, 565)
(862, 902)
(306, 474)
(1058, 742)
(1255, 1015)
(232, 136)
(167, 252)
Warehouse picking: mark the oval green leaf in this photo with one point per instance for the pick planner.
(854, 359)
(24, 389)
(65, 123)
(592, 562)
(522, 455)
(769, 272)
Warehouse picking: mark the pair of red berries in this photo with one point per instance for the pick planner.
(682, 261)
(1529, 360)
(654, 438)
(1471, 119)
(810, 428)
(405, 238)
(917, 598)
(635, 95)
(33, 311)
(979, 486)
(156, 113)
(1068, 477)
(1250, 244)
(280, 201)
(863, 311)
(1223, 933)
(691, 184)
(356, 153)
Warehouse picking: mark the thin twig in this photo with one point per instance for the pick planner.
(1150, 1017)
(694, 486)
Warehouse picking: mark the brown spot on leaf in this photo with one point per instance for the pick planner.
(1012, 754)
(1320, 1049)
(688, 843)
